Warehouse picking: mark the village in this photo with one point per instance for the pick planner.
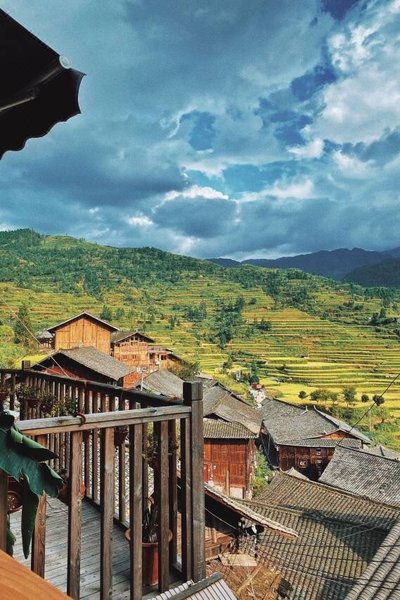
(329, 501)
(122, 478)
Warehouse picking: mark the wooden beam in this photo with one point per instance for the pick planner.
(193, 396)
(172, 491)
(38, 557)
(102, 420)
(186, 500)
(74, 516)
(107, 511)
(161, 486)
(3, 509)
(135, 509)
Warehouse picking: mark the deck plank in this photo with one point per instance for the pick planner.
(57, 548)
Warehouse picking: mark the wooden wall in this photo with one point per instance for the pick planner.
(228, 465)
(309, 461)
(83, 332)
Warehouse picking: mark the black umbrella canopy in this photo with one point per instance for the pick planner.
(38, 88)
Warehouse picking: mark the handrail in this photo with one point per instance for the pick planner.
(102, 420)
(134, 395)
(86, 448)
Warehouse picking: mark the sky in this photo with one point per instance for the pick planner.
(236, 128)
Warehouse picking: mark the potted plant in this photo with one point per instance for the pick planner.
(150, 531)
(30, 394)
(48, 402)
(4, 391)
(23, 459)
(64, 491)
(14, 495)
(120, 434)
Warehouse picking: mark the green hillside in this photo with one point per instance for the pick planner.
(295, 331)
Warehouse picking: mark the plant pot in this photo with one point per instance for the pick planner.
(149, 559)
(46, 407)
(63, 493)
(32, 402)
(14, 496)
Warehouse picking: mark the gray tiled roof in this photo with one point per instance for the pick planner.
(246, 511)
(289, 423)
(217, 429)
(97, 361)
(211, 588)
(324, 443)
(163, 382)
(364, 474)
(380, 450)
(217, 400)
(381, 579)
(317, 498)
(338, 535)
(44, 334)
(224, 404)
(119, 336)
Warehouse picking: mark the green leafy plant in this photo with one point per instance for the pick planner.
(150, 521)
(23, 458)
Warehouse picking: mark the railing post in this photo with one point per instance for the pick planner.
(193, 396)
(3, 509)
(107, 511)
(39, 534)
(74, 516)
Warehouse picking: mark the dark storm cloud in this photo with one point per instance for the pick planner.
(198, 217)
(217, 127)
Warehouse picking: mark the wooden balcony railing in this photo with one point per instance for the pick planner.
(117, 478)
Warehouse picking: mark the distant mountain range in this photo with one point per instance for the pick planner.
(366, 267)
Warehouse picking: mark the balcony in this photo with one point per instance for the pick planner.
(118, 481)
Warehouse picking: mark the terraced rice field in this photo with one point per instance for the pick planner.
(301, 352)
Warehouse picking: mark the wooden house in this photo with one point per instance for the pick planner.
(229, 457)
(231, 428)
(140, 352)
(304, 438)
(88, 364)
(82, 330)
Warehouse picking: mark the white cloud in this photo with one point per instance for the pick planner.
(197, 191)
(314, 149)
(139, 221)
(353, 167)
(300, 190)
(365, 101)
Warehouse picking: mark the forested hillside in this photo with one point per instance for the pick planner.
(386, 273)
(294, 331)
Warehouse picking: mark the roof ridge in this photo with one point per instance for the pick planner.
(338, 491)
(314, 514)
(371, 454)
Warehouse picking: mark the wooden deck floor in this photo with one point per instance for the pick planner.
(56, 551)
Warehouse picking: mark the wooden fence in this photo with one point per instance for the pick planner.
(117, 478)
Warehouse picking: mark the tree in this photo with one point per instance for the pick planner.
(302, 395)
(119, 313)
(378, 399)
(364, 398)
(106, 313)
(349, 394)
(23, 327)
